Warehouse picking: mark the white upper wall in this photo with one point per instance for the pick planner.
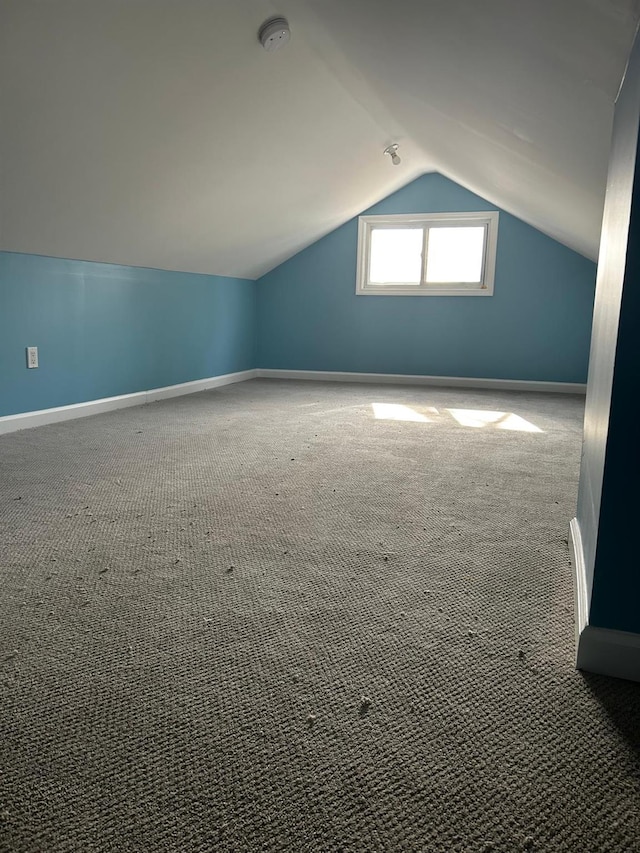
(159, 133)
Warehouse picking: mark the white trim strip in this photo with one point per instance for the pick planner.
(410, 379)
(600, 650)
(581, 599)
(26, 420)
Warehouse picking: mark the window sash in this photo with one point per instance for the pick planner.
(424, 281)
(426, 223)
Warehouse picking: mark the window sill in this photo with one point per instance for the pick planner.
(433, 291)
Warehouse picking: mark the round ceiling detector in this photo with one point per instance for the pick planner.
(274, 33)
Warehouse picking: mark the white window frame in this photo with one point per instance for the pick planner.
(423, 221)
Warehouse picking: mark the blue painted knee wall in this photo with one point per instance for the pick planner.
(103, 330)
(536, 326)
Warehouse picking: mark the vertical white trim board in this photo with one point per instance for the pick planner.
(580, 596)
(418, 379)
(26, 420)
(600, 650)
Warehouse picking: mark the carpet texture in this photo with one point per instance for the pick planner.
(262, 619)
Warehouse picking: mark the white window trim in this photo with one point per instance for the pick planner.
(483, 217)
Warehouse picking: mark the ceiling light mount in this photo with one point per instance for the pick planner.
(392, 151)
(274, 34)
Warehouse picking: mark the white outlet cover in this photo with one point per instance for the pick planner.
(32, 357)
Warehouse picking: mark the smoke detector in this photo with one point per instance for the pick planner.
(274, 34)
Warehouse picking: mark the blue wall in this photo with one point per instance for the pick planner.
(536, 326)
(103, 330)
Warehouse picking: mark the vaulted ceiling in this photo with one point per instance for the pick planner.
(159, 133)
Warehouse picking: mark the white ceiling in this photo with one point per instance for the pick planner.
(159, 133)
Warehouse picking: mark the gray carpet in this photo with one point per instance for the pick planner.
(260, 619)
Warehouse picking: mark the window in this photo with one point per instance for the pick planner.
(429, 254)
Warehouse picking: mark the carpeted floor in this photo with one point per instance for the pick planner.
(261, 619)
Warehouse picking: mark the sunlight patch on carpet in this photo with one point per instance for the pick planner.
(498, 420)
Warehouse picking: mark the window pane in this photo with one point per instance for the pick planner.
(455, 254)
(395, 256)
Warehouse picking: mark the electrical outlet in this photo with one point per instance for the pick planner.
(32, 356)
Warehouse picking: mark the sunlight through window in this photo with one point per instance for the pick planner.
(397, 412)
(455, 255)
(396, 256)
(498, 420)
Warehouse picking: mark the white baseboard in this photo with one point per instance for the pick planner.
(409, 379)
(608, 652)
(600, 650)
(26, 420)
(580, 595)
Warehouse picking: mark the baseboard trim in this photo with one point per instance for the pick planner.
(580, 596)
(415, 379)
(608, 652)
(27, 420)
(600, 650)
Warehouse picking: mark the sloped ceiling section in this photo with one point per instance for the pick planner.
(159, 133)
(512, 99)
